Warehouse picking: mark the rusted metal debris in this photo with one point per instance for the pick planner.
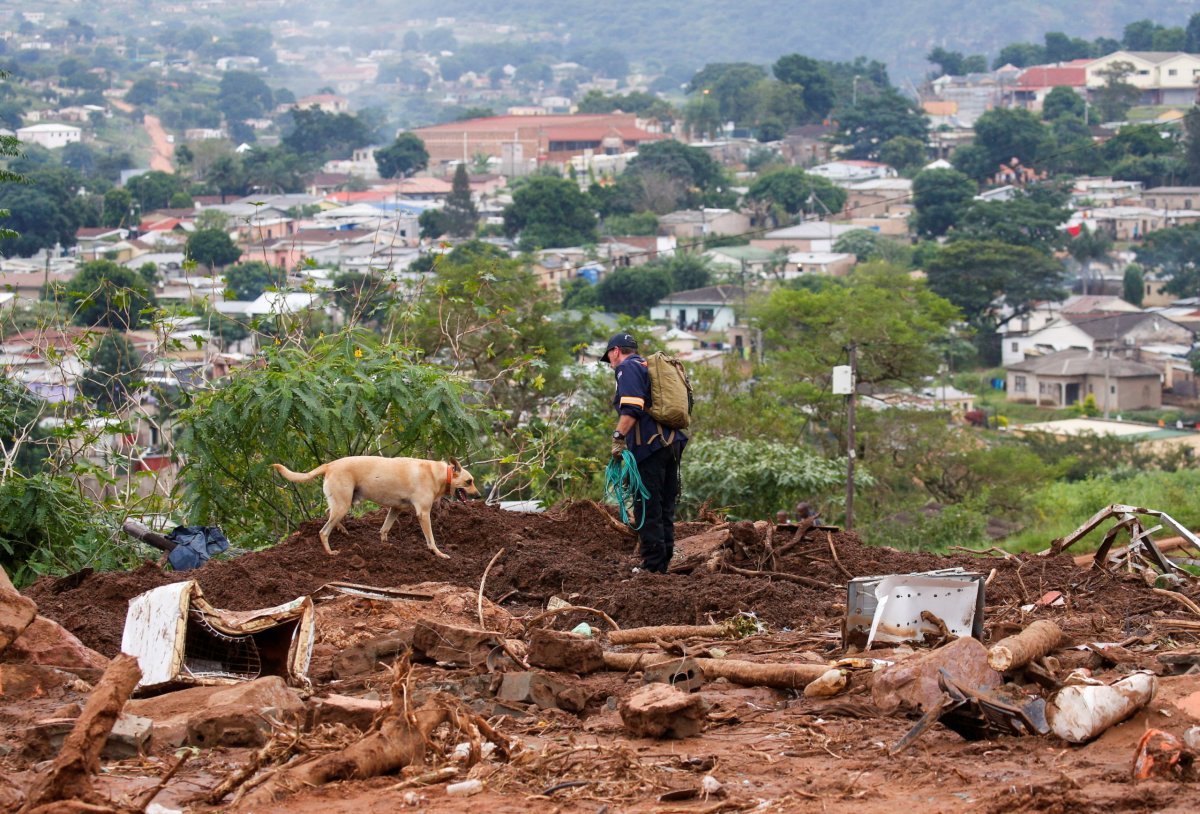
(1142, 551)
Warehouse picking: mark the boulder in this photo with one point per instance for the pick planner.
(357, 713)
(464, 646)
(219, 716)
(16, 614)
(48, 643)
(555, 650)
(661, 711)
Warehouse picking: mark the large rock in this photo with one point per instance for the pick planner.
(464, 646)
(48, 643)
(364, 657)
(913, 683)
(219, 716)
(661, 711)
(555, 650)
(16, 614)
(22, 682)
(128, 738)
(357, 713)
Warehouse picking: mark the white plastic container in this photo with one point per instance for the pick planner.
(465, 789)
(1080, 712)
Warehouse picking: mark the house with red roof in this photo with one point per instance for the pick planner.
(1036, 81)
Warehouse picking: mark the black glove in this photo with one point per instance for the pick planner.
(618, 446)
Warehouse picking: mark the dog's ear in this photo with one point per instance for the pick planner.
(455, 465)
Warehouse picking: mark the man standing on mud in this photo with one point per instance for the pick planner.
(657, 452)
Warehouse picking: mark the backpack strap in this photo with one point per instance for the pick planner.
(667, 438)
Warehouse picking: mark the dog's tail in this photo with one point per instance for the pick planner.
(299, 477)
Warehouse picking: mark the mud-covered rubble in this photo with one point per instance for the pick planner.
(464, 679)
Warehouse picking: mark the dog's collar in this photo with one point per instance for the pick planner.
(450, 479)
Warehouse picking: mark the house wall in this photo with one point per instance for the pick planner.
(1130, 393)
(1177, 198)
(695, 317)
(1156, 295)
(1059, 336)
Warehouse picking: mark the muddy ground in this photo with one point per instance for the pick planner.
(772, 749)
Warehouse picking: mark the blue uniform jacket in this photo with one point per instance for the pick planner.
(633, 398)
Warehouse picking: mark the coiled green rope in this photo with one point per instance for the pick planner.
(623, 482)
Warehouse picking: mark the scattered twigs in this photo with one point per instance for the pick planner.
(768, 559)
(149, 796)
(809, 581)
(1180, 598)
(999, 552)
(568, 609)
(833, 552)
(615, 523)
(567, 784)
(991, 575)
(427, 779)
(482, 583)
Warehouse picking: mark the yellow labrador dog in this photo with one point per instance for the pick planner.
(388, 482)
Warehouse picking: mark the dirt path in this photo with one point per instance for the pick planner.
(163, 150)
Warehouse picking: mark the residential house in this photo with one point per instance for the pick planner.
(749, 260)
(1088, 191)
(325, 102)
(1132, 223)
(555, 268)
(849, 171)
(1035, 82)
(1069, 376)
(879, 198)
(837, 264)
(693, 225)
(50, 135)
(1172, 198)
(517, 140)
(1163, 77)
(812, 236)
(95, 242)
(27, 286)
(626, 251)
(808, 144)
(704, 310)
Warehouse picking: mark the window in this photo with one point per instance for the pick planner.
(1172, 72)
(1019, 384)
(1112, 388)
(1015, 347)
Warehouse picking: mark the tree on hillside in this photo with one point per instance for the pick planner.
(548, 213)
(953, 63)
(1133, 285)
(114, 373)
(1191, 39)
(813, 78)
(1004, 134)
(212, 248)
(1020, 221)
(248, 280)
(361, 297)
(1062, 101)
(243, 95)
(633, 291)
(1191, 144)
(986, 278)
(142, 92)
(904, 153)
(461, 218)
(1085, 248)
(1175, 253)
(940, 196)
(107, 295)
(1114, 98)
(1020, 55)
(404, 156)
(696, 178)
(795, 191)
(153, 190)
(1061, 48)
(867, 126)
(729, 84)
(327, 135)
(117, 209)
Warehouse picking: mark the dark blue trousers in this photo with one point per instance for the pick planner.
(660, 475)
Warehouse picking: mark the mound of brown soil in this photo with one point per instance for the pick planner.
(573, 552)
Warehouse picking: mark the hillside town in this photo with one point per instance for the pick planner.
(932, 334)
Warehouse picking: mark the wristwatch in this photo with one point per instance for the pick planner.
(617, 436)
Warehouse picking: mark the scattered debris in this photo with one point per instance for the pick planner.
(180, 639)
(915, 682)
(890, 608)
(1039, 639)
(1142, 552)
(1086, 707)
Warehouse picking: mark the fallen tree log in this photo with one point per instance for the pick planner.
(701, 550)
(70, 775)
(638, 635)
(746, 673)
(152, 538)
(1039, 639)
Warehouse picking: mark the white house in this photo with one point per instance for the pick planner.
(1163, 77)
(704, 310)
(50, 135)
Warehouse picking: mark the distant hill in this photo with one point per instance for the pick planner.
(690, 33)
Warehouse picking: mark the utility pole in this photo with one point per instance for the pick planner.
(850, 443)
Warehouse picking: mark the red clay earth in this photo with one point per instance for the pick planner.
(789, 752)
(575, 553)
